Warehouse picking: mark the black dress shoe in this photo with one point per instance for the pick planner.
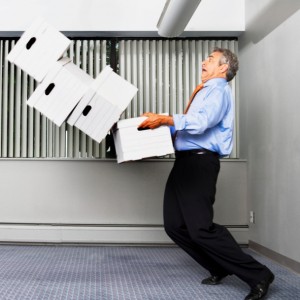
(261, 289)
(213, 280)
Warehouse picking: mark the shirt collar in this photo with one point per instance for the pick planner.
(215, 81)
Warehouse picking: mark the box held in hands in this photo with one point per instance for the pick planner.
(132, 144)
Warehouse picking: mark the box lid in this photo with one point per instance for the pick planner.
(38, 48)
(133, 122)
(112, 86)
(109, 86)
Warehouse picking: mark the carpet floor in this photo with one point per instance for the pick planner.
(122, 273)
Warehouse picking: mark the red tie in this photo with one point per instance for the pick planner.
(197, 89)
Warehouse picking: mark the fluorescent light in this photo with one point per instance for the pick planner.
(175, 16)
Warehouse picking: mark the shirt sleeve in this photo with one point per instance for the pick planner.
(203, 113)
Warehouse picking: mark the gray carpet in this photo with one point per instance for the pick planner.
(119, 273)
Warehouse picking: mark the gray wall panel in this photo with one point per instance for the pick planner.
(104, 192)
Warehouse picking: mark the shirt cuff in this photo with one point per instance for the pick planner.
(179, 121)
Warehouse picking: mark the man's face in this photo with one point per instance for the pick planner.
(211, 67)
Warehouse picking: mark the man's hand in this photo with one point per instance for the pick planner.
(155, 120)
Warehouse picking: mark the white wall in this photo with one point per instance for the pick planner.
(224, 17)
(270, 106)
(102, 201)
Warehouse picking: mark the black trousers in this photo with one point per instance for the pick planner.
(188, 220)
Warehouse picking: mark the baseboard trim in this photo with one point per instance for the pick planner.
(95, 234)
(279, 258)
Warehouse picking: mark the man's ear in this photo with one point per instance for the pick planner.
(224, 68)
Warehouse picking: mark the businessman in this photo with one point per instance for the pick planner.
(203, 134)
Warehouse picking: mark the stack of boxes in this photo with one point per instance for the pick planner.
(67, 93)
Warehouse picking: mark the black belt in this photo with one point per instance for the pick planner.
(185, 153)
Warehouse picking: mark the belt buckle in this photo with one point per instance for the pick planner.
(200, 152)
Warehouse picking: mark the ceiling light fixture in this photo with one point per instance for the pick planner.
(175, 16)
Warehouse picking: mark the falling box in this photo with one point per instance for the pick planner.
(132, 144)
(60, 91)
(38, 48)
(102, 105)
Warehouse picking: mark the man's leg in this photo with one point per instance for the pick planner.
(195, 187)
(176, 229)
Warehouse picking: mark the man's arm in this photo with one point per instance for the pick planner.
(155, 120)
(208, 115)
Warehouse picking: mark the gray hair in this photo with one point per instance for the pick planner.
(231, 59)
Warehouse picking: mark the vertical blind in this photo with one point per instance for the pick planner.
(164, 71)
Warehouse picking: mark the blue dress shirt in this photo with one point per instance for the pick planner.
(209, 121)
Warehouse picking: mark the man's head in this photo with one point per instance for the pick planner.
(221, 63)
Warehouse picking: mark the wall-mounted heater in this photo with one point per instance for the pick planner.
(175, 16)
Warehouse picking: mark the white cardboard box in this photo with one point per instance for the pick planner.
(60, 91)
(102, 105)
(132, 144)
(38, 48)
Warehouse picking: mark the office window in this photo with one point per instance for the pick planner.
(165, 72)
